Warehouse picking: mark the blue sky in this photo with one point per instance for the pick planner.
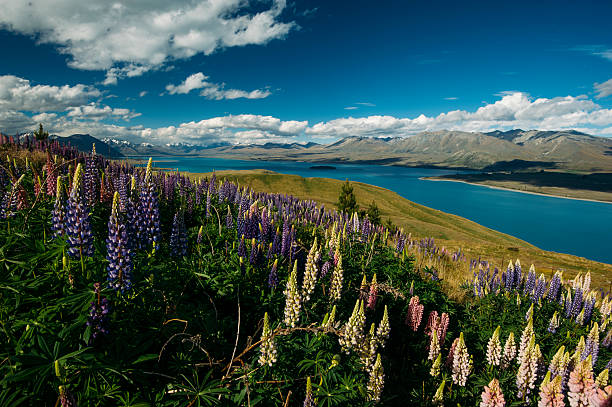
(192, 71)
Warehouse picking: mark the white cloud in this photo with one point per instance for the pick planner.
(131, 37)
(143, 94)
(95, 112)
(351, 108)
(513, 110)
(607, 54)
(451, 98)
(18, 94)
(603, 89)
(213, 91)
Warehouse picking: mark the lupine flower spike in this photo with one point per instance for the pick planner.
(377, 381)
(581, 384)
(382, 333)
(509, 351)
(309, 400)
(118, 254)
(78, 227)
(292, 299)
(550, 392)
(494, 349)
(492, 395)
(462, 363)
(268, 347)
(336, 283)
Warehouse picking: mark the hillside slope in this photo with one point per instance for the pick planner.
(451, 231)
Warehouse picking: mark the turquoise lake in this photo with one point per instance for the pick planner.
(582, 228)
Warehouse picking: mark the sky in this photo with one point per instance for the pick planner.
(238, 71)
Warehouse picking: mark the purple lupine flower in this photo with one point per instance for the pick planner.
(553, 289)
(229, 219)
(90, 178)
(147, 221)
(118, 254)
(286, 243)
(273, 276)
(254, 252)
(208, 203)
(276, 242)
(78, 227)
(58, 216)
(98, 315)
(199, 238)
(178, 237)
(242, 248)
(576, 305)
(539, 290)
(589, 304)
(518, 274)
(325, 268)
(510, 277)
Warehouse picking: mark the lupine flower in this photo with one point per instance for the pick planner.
(335, 290)
(568, 304)
(559, 365)
(444, 321)
(602, 397)
(540, 289)
(330, 319)
(553, 289)
(98, 315)
(325, 268)
(178, 237)
(292, 299)
(58, 216)
(377, 381)
(229, 219)
(492, 395)
(147, 220)
(530, 281)
(384, 329)
(509, 351)
(576, 305)
(589, 304)
(66, 399)
(525, 338)
(118, 254)
(310, 272)
(518, 274)
(415, 313)
(353, 330)
(462, 363)
(581, 384)
(607, 341)
(554, 323)
(434, 346)
(254, 252)
(494, 349)
(551, 394)
(369, 348)
(528, 368)
(411, 291)
(435, 366)
(309, 400)
(268, 347)
(273, 276)
(438, 397)
(433, 323)
(602, 379)
(200, 233)
(242, 248)
(451, 354)
(529, 313)
(591, 347)
(78, 227)
(373, 293)
(580, 348)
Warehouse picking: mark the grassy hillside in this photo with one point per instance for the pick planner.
(449, 230)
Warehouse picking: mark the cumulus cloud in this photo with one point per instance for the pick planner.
(131, 37)
(213, 90)
(513, 110)
(603, 89)
(19, 94)
(93, 111)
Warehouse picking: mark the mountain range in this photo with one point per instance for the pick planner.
(492, 151)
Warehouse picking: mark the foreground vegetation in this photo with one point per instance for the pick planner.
(120, 286)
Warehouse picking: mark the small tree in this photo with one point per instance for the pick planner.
(40, 134)
(374, 213)
(346, 201)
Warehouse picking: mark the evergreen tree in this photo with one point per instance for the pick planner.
(346, 201)
(40, 134)
(374, 213)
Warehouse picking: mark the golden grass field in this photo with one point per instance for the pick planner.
(450, 231)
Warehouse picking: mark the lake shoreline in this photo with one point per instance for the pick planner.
(513, 189)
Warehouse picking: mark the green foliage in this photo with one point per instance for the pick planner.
(347, 202)
(374, 213)
(40, 134)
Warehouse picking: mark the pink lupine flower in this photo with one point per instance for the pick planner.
(492, 395)
(415, 313)
(581, 384)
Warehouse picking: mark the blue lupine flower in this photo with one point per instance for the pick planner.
(178, 237)
(119, 255)
(553, 289)
(98, 315)
(78, 226)
(58, 216)
(273, 277)
(147, 221)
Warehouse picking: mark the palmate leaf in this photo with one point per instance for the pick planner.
(200, 391)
